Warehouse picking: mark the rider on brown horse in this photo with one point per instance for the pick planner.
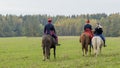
(49, 29)
(88, 29)
(98, 32)
(85, 38)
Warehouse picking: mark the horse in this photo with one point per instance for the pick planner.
(85, 40)
(48, 42)
(97, 43)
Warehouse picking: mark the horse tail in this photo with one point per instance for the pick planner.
(95, 43)
(84, 39)
(46, 44)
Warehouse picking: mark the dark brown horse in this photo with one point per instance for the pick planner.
(48, 42)
(85, 41)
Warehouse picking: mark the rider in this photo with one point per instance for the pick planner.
(88, 28)
(98, 32)
(49, 29)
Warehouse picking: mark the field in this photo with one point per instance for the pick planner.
(26, 52)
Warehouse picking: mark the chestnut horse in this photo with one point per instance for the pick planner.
(85, 40)
(48, 42)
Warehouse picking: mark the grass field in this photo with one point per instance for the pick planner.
(26, 52)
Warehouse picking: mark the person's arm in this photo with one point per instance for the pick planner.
(84, 27)
(54, 29)
(90, 27)
(44, 29)
(95, 30)
(101, 30)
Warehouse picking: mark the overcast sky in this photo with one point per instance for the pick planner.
(59, 7)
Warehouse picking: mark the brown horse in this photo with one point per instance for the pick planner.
(48, 42)
(85, 40)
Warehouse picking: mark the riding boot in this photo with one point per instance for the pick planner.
(56, 39)
(104, 43)
(57, 44)
(103, 38)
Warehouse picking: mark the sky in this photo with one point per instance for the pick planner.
(58, 7)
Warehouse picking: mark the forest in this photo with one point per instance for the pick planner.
(33, 25)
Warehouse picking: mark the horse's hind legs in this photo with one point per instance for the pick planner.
(86, 50)
(83, 51)
(55, 53)
(95, 54)
(44, 59)
(90, 50)
(43, 54)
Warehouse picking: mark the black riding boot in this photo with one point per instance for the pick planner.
(55, 37)
(104, 43)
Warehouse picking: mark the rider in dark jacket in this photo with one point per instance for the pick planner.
(49, 29)
(88, 28)
(98, 32)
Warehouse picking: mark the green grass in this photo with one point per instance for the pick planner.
(26, 52)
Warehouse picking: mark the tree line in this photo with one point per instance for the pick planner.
(33, 25)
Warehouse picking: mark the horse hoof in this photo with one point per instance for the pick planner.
(43, 60)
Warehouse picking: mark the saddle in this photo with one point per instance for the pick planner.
(89, 33)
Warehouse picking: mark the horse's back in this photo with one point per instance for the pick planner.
(46, 37)
(48, 40)
(84, 38)
(96, 40)
(85, 41)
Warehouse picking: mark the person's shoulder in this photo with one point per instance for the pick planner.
(52, 24)
(89, 24)
(46, 24)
